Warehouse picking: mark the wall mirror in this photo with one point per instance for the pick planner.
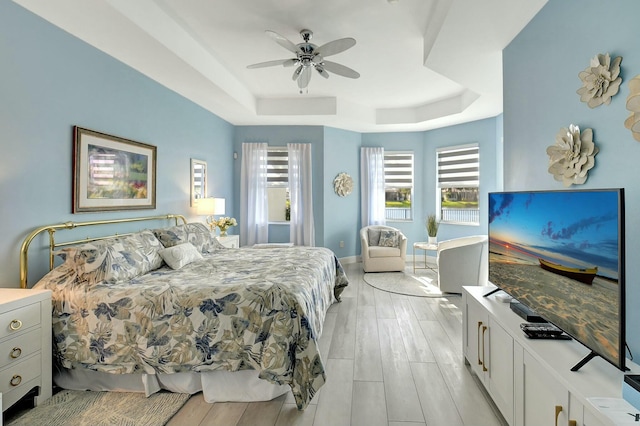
(198, 180)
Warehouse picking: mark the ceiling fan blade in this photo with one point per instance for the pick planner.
(336, 46)
(340, 69)
(284, 42)
(305, 77)
(283, 62)
(322, 71)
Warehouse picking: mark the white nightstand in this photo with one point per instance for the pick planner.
(230, 241)
(25, 344)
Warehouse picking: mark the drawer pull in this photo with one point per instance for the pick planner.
(16, 352)
(479, 326)
(15, 380)
(484, 366)
(558, 411)
(15, 324)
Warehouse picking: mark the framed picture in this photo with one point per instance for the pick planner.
(112, 173)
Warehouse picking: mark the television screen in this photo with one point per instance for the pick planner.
(561, 253)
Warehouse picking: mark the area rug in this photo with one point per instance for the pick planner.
(103, 408)
(422, 284)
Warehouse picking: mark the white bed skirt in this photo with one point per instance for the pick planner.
(216, 386)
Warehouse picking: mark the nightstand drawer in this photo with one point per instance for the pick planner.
(15, 376)
(17, 320)
(15, 350)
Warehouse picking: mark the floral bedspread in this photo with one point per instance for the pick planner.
(236, 309)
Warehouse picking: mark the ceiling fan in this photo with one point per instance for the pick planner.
(309, 56)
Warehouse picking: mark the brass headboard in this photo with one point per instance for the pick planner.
(24, 250)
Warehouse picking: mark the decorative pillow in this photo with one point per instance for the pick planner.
(180, 255)
(388, 239)
(374, 236)
(114, 259)
(195, 233)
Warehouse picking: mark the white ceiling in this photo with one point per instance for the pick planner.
(424, 64)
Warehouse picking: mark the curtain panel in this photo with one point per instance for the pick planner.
(372, 192)
(254, 215)
(301, 225)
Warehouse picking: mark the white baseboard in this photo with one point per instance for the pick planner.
(350, 259)
(358, 259)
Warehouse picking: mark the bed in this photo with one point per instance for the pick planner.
(170, 308)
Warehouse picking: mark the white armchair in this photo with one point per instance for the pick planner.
(380, 258)
(462, 261)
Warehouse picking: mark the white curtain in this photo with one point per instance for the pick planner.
(301, 231)
(254, 215)
(372, 181)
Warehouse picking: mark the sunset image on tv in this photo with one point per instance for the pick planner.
(558, 252)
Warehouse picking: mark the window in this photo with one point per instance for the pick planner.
(278, 184)
(398, 185)
(458, 181)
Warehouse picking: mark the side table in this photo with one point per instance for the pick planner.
(25, 342)
(229, 241)
(423, 245)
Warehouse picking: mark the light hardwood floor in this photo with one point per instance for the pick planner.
(390, 360)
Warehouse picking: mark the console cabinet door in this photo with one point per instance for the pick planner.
(546, 402)
(489, 350)
(476, 327)
(500, 365)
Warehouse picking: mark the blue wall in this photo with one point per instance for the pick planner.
(541, 69)
(487, 135)
(341, 214)
(51, 81)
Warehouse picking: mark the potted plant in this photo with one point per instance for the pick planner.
(432, 228)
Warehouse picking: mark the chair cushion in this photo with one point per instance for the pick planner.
(380, 251)
(373, 236)
(388, 239)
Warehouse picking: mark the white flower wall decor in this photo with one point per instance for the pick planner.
(600, 80)
(633, 105)
(343, 184)
(572, 156)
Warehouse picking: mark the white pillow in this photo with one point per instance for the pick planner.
(180, 255)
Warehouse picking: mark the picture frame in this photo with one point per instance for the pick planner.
(111, 173)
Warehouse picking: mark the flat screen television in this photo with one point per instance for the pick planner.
(561, 253)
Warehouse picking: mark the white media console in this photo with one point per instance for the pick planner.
(530, 380)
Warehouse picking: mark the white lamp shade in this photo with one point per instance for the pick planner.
(219, 207)
(205, 207)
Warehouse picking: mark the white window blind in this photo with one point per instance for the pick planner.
(459, 167)
(398, 170)
(277, 167)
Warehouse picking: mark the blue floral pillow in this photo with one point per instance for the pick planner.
(195, 233)
(388, 239)
(114, 259)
